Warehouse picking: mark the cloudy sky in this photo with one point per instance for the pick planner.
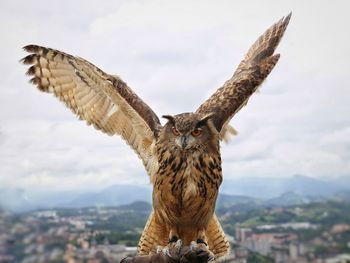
(174, 54)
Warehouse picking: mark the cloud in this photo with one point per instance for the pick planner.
(66, 155)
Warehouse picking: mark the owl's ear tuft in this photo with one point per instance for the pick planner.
(169, 118)
(204, 119)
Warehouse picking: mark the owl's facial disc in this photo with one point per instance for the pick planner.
(187, 131)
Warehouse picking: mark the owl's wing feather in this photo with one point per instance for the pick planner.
(102, 100)
(251, 72)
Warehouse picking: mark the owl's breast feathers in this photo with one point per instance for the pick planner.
(186, 187)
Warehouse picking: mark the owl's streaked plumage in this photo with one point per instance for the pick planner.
(183, 156)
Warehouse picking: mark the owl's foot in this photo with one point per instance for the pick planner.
(172, 250)
(200, 251)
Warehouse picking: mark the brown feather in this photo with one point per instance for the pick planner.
(100, 99)
(251, 72)
(217, 240)
(153, 235)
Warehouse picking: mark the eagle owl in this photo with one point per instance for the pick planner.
(182, 157)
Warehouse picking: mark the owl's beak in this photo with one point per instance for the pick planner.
(183, 141)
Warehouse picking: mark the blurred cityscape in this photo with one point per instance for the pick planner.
(72, 235)
(314, 232)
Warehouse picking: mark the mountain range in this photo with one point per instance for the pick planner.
(273, 187)
(242, 193)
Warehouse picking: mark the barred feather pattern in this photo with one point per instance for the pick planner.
(251, 72)
(153, 235)
(102, 100)
(217, 241)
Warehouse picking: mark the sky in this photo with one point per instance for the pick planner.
(174, 54)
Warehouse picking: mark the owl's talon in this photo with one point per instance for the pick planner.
(211, 256)
(178, 245)
(193, 245)
(201, 249)
(172, 250)
(166, 251)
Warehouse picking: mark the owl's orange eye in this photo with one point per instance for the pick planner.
(176, 132)
(196, 132)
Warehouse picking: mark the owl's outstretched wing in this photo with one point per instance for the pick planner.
(251, 72)
(102, 100)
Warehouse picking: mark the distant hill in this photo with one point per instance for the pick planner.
(342, 195)
(235, 203)
(20, 200)
(235, 195)
(14, 199)
(266, 188)
(287, 199)
(137, 206)
(112, 196)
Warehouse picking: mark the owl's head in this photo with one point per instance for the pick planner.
(190, 132)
